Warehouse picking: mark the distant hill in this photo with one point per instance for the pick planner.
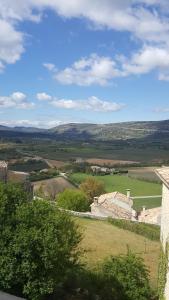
(104, 132)
(124, 131)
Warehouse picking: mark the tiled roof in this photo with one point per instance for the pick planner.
(114, 195)
(163, 173)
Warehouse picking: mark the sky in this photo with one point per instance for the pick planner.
(83, 61)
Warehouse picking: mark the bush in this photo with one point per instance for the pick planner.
(131, 274)
(118, 278)
(73, 200)
(38, 245)
(149, 231)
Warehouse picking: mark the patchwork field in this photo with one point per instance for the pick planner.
(102, 239)
(144, 173)
(122, 183)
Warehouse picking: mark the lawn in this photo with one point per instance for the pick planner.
(121, 183)
(102, 239)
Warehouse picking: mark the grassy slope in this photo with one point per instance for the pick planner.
(102, 239)
(121, 183)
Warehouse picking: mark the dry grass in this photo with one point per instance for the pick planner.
(52, 186)
(55, 163)
(102, 239)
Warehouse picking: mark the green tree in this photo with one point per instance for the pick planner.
(131, 273)
(92, 188)
(38, 245)
(73, 200)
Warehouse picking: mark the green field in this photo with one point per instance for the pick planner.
(102, 239)
(121, 183)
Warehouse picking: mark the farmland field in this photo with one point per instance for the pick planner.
(122, 183)
(144, 173)
(102, 239)
(52, 186)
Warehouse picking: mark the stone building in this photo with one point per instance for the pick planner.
(163, 173)
(150, 216)
(7, 175)
(115, 205)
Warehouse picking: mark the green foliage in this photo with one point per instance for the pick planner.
(162, 272)
(149, 231)
(73, 200)
(29, 165)
(118, 278)
(42, 176)
(9, 153)
(92, 188)
(131, 274)
(38, 245)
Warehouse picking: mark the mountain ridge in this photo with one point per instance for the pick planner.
(109, 131)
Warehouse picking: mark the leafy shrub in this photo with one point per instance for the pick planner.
(131, 274)
(38, 245)
(162, 272)
(73, 200)
(149, 231)
(118, 278)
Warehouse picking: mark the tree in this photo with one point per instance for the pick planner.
(130, 272)
(38, 245)
(92, 188)
(73, 200)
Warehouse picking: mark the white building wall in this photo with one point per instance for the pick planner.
(165, 216)
(165, 229)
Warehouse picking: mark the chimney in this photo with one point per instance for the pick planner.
(144, 212)
(96, 200)
(128, 193)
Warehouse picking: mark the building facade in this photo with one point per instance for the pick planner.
(163, 173)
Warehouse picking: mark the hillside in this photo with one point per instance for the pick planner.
(105, 132)
(96, 231)
(126, 130)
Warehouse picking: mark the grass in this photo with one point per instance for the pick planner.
(148, 203)
(121, 183)
(102, 239)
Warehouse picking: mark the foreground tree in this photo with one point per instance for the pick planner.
(92, 188)
(73, 200)
(38, 245)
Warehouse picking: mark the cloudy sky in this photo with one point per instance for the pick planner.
(93, 61)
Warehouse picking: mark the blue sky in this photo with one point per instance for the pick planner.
(83, 61)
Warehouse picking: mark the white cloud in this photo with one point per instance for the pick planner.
(11, 44)
(100, 70)
(49, 66)
(43, 97)
(146, 20)
(15, 100)
(87, 71)
(148, 59)
(162, 110)
(32, 123)
(92, 103)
